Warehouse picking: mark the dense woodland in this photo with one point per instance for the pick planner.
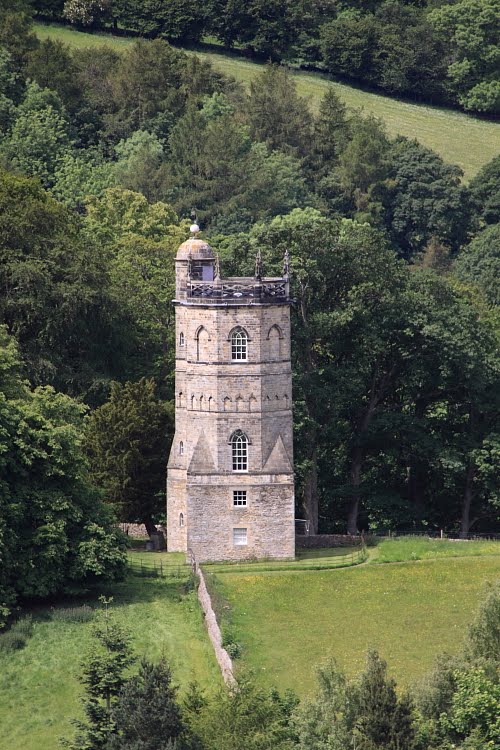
(432, 50)
(395, 261)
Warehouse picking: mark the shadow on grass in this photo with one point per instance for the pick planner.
(133, 590)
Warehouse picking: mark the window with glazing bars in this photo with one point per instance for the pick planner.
(239, 537)
(239, 498)
(239, 443)
(239, 346)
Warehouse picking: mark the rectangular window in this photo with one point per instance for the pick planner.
(239, 537)
(240, 498)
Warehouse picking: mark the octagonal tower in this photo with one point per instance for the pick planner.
(230, 491)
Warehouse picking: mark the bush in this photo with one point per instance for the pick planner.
(73, 614)
(17, 636)
(233, 649)
(11, 641)
(23, 627)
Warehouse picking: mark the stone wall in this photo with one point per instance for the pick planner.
(223, 658)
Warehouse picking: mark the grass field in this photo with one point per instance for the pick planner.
(405, 549)
(459, 138)
(288, 622)
(39, 690)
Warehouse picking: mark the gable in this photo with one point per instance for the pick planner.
(201, 461)
(278, 461)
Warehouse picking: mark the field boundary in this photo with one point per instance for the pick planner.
(214, 633)
(349, 560)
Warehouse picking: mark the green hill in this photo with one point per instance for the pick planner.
(459, 138)
(289, 622)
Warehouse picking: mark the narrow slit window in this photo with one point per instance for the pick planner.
(240, 538)
(239, 498)
(181, 448)
(181, 519)
(181, 339)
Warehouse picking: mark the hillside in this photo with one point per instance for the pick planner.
(39, 687)
(459, 138)
(287, 623)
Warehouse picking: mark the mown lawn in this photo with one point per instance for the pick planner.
(459, 138)
(287, 622)
(39, 689)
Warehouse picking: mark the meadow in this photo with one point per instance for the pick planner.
(459, 138)
(39, 687)
(289, 622)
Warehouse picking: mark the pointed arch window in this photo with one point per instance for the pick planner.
(239, 345)
(181, 339)
(239, 451)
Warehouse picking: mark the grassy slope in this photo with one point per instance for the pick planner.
(39, 690)
(459, 138)
(287, 623)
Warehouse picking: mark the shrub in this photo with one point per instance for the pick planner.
(23, 627)
(233, 649)
(11, 641)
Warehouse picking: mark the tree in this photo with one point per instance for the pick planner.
(139, 159)
(85, 12)
(276, 114)
(40, 136)
(424, 199)
(346, 282)
(179, 21)
(51, 66)
(479, 263)
(80, 176)
(146, 84)
(55, 294)
(328, 719)
(363, 163)
(471, 28)
(248, 717)
(384, 719)
(146, 714)
(483, 637)
(231, 182)
(127, 441)
(485, 192)
(16, 32)
(103, 676)
(56, 536)
(366, 713)
(349, 44)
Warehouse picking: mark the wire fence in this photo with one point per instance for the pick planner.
(355, 557)
(149, 567)
(436, 534)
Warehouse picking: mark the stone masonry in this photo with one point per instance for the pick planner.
(213, 509)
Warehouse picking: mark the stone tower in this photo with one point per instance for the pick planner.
(230, 491)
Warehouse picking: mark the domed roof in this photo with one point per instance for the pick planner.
(198, 249)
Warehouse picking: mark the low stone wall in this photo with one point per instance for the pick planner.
(138, 530)
(223, 658)
(327, 540)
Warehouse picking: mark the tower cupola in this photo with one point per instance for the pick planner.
(195, 261)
